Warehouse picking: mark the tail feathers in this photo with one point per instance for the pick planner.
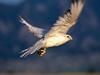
(32, 49)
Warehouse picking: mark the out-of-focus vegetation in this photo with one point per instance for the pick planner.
(50, 74)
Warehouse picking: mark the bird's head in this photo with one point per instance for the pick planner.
(69, 37)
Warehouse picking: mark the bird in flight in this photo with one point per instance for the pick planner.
(57, 35)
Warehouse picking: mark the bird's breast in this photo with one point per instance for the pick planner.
(55, 41)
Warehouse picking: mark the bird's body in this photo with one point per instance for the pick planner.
(57, 35)
(55, 40)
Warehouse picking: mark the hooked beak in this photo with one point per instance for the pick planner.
(71, 38)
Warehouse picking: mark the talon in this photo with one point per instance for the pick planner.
(42, 51)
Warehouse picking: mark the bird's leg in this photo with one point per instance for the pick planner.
(42, 51)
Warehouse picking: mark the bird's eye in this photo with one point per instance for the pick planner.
(68, 36)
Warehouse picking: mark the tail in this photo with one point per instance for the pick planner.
(39, 44)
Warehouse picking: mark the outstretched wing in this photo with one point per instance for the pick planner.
(38, 32)
(39, 44)
(63, 24)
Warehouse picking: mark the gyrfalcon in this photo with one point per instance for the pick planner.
(57, 35)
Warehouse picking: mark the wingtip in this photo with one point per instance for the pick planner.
(67, 11)
(73, 1)
(21, 56)
(24, 55)
(20, 19)
(82, 1)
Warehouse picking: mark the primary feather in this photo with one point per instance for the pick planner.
(63, 24)
(38, 32)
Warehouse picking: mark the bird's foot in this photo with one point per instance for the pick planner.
(42, 51)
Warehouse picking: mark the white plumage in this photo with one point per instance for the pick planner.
(57, 35)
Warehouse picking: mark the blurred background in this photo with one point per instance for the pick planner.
(82, 54)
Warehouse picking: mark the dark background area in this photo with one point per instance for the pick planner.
(82, 54)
